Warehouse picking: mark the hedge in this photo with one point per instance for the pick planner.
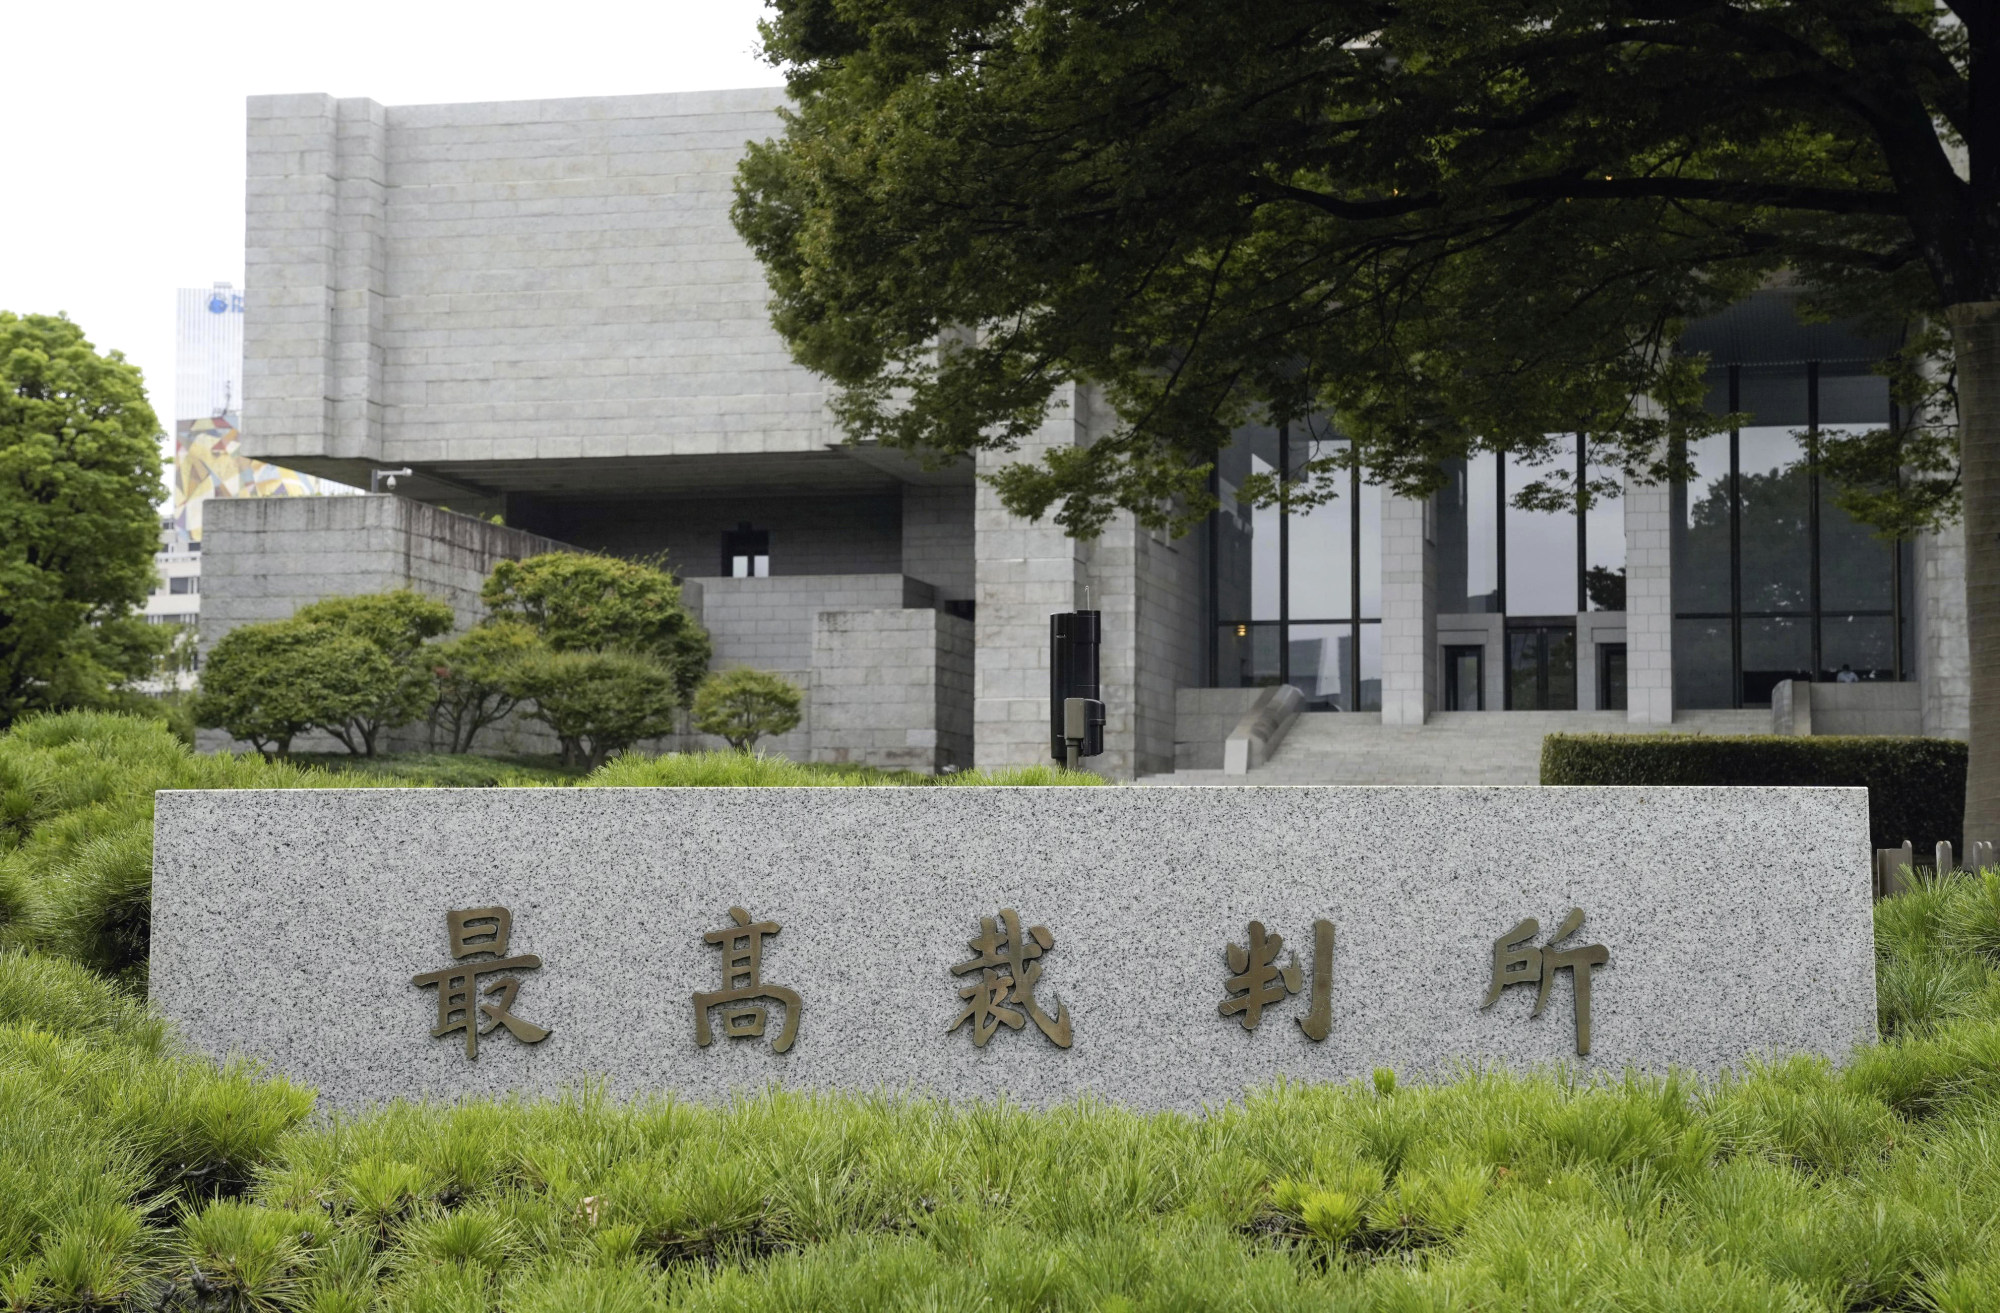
(1916, 787)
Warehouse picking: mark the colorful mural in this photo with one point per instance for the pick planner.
(208, 463)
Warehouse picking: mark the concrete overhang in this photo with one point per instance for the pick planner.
(840, 470)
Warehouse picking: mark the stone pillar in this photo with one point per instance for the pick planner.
(1409, 611)
(1023, 573)
(315, 273)
(360, 272)
(1649, 604)
(1943, 655)
(291, 246)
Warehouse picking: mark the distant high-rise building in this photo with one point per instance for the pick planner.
(208, 373)
(208, 377)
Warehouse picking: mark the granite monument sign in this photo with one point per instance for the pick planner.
(1141, 944)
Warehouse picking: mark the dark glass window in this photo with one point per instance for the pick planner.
(1493, 556)
(1295, 590)
(1772, 580)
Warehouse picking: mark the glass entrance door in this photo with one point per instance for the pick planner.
(1611, 677)
(1465, 677)
(1541, 665)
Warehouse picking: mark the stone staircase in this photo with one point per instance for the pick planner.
(1452, 747)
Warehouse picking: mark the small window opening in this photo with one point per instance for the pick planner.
(746, 552)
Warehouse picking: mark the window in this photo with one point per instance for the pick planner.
(1772, 580)
(746, 552)
(1295, 592)
(184, 583)
(1493, 556)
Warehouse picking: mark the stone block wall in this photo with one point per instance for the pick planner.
(1025, 571)
(265, 557)
(1649, 603)
(892, 688)
(1409, 611)
(937, 539)
(540, 279)
(1944, 656)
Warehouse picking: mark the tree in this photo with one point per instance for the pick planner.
(581, 603)
(1450, 226)
(596, 703)
(474, 675)
(79, 475)
(269, 683)
(743, 705)
(396, 624)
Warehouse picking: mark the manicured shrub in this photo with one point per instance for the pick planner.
(743, 705)
(596, 703)
(581, 603)
(269, 683)
(474, 674)
(1916, 787)
(397, 625)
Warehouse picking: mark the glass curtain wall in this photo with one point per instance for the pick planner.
(1536, 568)
(1772, 580)
(1296, 592)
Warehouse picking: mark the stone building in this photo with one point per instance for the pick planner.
(540, 311)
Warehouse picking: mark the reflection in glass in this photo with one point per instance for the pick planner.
(1774, 493)
(1856, 648)
(1604, 546)
(1857, 570)
(1322, 660)
(1541, 545)
(1702, 675)
(1371, 667)
(1774, 649)
(1541, 667)
(1322, 548)
(1468, 536)
(1370, 504)
(1265, 542)
(1247, 654)
(1701, 533)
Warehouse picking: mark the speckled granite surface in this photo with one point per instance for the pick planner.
(287, 925)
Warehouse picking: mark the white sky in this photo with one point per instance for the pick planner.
(123, 170)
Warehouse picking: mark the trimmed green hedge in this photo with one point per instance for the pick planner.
(1916, 787)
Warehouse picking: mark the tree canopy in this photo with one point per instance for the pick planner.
(79, 477)
(580, 603)
(1447, 226)
(395, 624)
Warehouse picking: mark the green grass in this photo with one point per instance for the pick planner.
(134, 1176)
(446, 770)
(134, 1173)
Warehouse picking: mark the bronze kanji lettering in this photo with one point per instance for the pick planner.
(1007, 960)
(479, 938)
(1257, 981)
(742, 945)
(1517, 962)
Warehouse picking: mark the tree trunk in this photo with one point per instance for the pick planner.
(1975, 329)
